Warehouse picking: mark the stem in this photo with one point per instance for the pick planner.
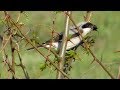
(29, 41)
(86, 46)
(23, 67)
(63, 47)
(13, 56)
(88, 16)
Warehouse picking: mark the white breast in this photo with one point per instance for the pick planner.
(73, 42)
(70, 44)
(86, 31)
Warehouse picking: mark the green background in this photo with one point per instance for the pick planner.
(107, 41)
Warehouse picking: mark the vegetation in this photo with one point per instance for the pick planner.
(39, 24)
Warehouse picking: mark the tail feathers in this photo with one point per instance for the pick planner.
(33, 47)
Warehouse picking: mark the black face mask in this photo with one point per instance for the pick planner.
(90, 25)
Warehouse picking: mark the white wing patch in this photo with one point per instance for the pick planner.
(54, 45)
(86, 31)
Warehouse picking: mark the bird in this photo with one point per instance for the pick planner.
(74, 39)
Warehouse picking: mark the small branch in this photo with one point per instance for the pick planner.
(63, 47)
(7, 19)
(64, 41)
(4, 45)
(13, 56)
(18, 18)
(8, 63)
(29, 41)
(77, 30)
(87, 18)
(86, 46)
(22, 66)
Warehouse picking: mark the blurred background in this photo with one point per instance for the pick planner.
(107, 41)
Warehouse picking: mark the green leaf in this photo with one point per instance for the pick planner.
(42, 66)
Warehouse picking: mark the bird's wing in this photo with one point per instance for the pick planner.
(57, 38)
(74, 30)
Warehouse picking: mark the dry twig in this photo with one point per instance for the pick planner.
(29, 41)
(63, 47)
(86, 46)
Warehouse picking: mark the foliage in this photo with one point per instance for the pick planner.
(39, 25)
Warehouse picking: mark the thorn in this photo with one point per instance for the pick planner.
(92, 61)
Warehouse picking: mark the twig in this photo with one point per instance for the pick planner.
(88, 16)
(11, 42)
(8, 63)
(84, 73)
(13, 56)
(18, 18)
(63, 47)
(22, 66)
(89, 48)
(29, 41)
(5, 43)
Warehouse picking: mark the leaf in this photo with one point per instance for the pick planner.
(42, 66)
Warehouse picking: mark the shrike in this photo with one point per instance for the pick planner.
(74, 39)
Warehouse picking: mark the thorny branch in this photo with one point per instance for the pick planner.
(63, 47)
(29, 41)
(11, 43)
(6, 61)
(13, 56)
(86, 46)
(22, 66)
(11, 34)
(87, 18)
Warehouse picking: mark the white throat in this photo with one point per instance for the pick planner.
(86, 31)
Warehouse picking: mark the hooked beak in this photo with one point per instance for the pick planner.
(95, 28)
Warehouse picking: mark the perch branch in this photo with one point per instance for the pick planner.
(29, 41)
(88, 16)
(22, 66)
(63, 47)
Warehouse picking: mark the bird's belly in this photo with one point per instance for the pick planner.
(73, 42)
(70, 44)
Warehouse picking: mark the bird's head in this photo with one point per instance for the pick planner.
(89, 25)
(86, 27)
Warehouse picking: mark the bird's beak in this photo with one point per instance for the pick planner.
(95, 28)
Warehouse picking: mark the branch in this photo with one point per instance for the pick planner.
(63, 47)
(88, 16)
(29, 41)
(86, 46)
(7, 18)
(22, 66)
(4, 45)
(13, 56)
